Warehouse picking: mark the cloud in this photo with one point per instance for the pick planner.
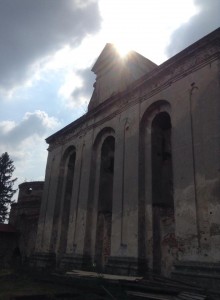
(77, 89)
(33, 124)
(88, 79)
(31, 30)
(206, 20)
(24, 141)
(81, 95)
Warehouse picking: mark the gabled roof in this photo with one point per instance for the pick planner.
(107, 55)
(115, 73)
(110, 55)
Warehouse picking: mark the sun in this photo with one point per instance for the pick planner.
(144, 26)
(122, 48)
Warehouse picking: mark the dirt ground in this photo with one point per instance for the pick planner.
(16, 285)
(30, 285)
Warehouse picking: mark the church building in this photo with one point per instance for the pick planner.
(133, 186)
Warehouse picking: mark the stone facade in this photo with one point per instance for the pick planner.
(133, 185)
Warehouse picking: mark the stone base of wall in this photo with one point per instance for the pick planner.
(43, 261)
(125, 266)
(128, 266)
(77, 262)
(206, 275)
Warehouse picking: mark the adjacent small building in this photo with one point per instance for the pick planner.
(18, 238)
(24, 217)
(133, 186)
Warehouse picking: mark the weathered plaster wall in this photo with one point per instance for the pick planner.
(188, 91)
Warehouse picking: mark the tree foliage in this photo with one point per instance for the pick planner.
(6, 185)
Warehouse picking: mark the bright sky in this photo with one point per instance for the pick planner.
(143, 25)
(47, 50)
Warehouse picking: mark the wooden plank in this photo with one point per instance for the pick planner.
(149, 295)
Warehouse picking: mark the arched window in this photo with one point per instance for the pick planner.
(162, 177)
(156, 203)
(63, 200)
(67, 195)
(162, 188)
(99, 209)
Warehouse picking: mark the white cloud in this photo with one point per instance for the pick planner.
(6, 127)
(24, 141)
(37, 123)
(18, 138)
(77, 89)
(71, 82)
(31, 30)
(144, 25)
(47, 122)
(206, 20)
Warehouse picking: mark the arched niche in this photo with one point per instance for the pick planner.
(156, 203)
(104, 208)
(99, 210)
(63, 200)
(67, 195)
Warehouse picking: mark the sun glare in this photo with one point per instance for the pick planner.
(144, 26)
(122, 49)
